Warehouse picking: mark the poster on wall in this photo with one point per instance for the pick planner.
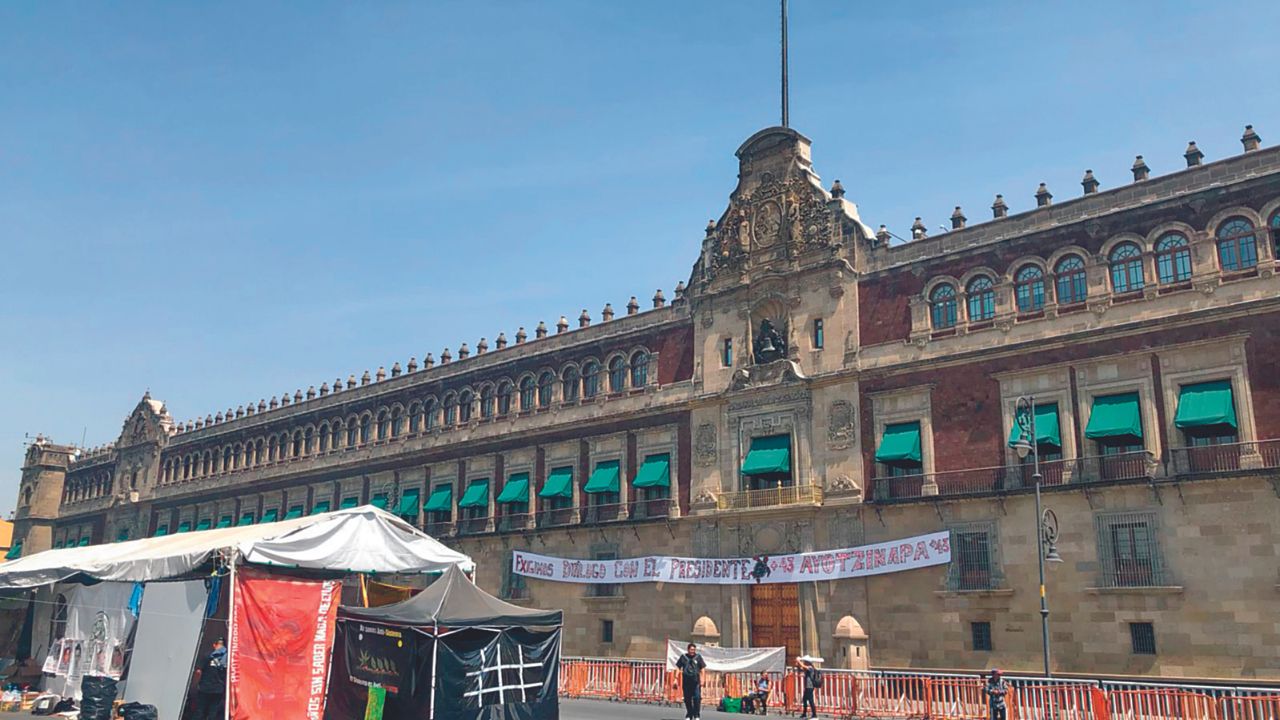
(281, 639)
(887, 557)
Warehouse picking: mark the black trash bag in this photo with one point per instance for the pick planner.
(138, 711)
(98, 694)
(63, 705)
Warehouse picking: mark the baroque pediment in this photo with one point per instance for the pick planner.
(149, 422)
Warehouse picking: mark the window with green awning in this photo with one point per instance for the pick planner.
(246, 519)
(161, 531)
(476, 496)
(204, 524)
(441, 500)
(84, 542)
(271, 515)
(516, 490)
(320, 507)
(15, 552)
(294, 513)
(654, 472)
(184, 526)
(1206, 407)
(122, 535)
(409, 504)
(1115, 419)
(57, 545)
(768, 455)
(380, 501)
(559, 484)
(606, 478)
(900, 445)
(348, 503)
(1048, 429)
(224, 522)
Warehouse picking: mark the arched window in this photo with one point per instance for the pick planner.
(981, 295)
(617, 375)
(504, 397)
(397, 422)
(309, 441)
(353, 432)
(226, 459)
(1173, 259)
(1072, 284)
(639, 369)
(430, 414)
(1028, 288)
(570, 383)
(546, 381)
(297, 444)
(207, 467)
(942, 306)
(591, 379)
(527, 390)
(366, 425)
(186, 467)
(384, 425)
(1126, 268)
(465, 401)
(1237, 245)
(486, 402)
(324, 438)
(450, 410)
(1275, 234)
(415, 418)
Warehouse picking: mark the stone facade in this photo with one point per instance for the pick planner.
(799, 321)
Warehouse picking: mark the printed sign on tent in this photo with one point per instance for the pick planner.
(281, 639)
(887, 557)
(378, 656)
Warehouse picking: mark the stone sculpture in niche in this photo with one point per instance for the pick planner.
(769, 345)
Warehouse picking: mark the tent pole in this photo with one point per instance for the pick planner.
(435, 651)
(231, 639)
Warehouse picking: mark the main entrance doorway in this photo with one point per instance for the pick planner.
(775, 617)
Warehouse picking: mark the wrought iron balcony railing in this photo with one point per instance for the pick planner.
(770, 497)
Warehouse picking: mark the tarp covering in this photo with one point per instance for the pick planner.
(168, 632)
(362, 539)
(1115, 417)
(723, 659)
(1048, 432)
(771, 454)
(454, 601)
(1207, 405)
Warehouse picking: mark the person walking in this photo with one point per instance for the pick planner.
(211, 688)
(691, 666)
(996, 690)
(812, 681)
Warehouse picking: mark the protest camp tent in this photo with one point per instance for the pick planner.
(452, 651)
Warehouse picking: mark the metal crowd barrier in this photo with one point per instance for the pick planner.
(898, 695)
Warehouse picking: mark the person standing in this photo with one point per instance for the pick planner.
(211, 688)
(691, 666)
(996, 690)
(812, 681)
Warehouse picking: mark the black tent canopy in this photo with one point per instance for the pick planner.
(454, 601)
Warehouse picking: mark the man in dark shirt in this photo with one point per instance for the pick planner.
(995, 690)
(811, 683)
(211, 689)
(691, 666)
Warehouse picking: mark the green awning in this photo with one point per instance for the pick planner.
(379, 501)
(184, 526)
(559, 484)
(348, 503)
(57, 545)
(84, 542)
(606, 478)
(655, 471)
(1048, 434)
(516, 489)
(122, 535)
(408, 506)
(161, 531)
(320, 507)
(477, 494)
(271, 515)
(900, 445)
(224, 522)
(245, 519)
(1206, 405)
(441, 499)
(204, 524)
(1115, 417)
(15, 552)
(294, 513)
(770, 454)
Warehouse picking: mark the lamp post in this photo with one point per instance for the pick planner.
(1046, 520)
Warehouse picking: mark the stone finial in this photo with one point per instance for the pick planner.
(1250, 139)
(540, 331)
(1140, 170)
(1090, 183)
(521, 336)
(218, 418)
(1044, 198)
(837, 190)
(311, 392)
(918, 230)
(501, 342)
(262, 405)
(297, 395)
(999, 208)
(633, 306)
(659, 299)
(395, 369)
(957, 218)
(208, 420)
(199, 424)
(607, 313)
(229, 414)
(240, 412)
(584, 319)
(482, 347)
(1193, 154)
(351, 381)
(562, 325)
(428, 361)
(275, 403)
(284, 398)
(324, 389)
(464, 352)
(882, 236)
(680, 291)
(446, 357)
(711, 228)
(413, 364)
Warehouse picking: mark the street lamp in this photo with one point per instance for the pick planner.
(1046, 520)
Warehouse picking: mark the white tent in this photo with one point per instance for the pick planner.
(363, 539)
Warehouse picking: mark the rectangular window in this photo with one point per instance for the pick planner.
(1142, 636)
(974, 565)
(606, 631)
(817, 334)
(604, 589)
(1128, 550)
(981, 632)
(726, 353)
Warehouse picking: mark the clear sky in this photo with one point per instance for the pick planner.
(227, 201)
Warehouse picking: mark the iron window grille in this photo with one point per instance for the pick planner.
(975, 564)
(1142, 638)
(1129, 550)
(981, 632)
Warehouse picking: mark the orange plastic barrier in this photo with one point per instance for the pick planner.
(1251, 707)
(1161, 704)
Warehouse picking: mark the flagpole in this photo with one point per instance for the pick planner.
(786, 115)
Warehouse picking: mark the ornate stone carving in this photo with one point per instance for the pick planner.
(1004, 324)
(704, 445)
(774, 373)
(770, 344)
(846, 530)
(840, 425)
(706, 540)
(768, 223)
(1099, 307)
(779, 398)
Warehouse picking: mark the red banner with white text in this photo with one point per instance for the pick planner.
(281, 638)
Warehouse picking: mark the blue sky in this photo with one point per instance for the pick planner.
(227, 201)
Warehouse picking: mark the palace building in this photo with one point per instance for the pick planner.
(815, 386)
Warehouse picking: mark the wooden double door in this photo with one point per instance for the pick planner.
(775, 617)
